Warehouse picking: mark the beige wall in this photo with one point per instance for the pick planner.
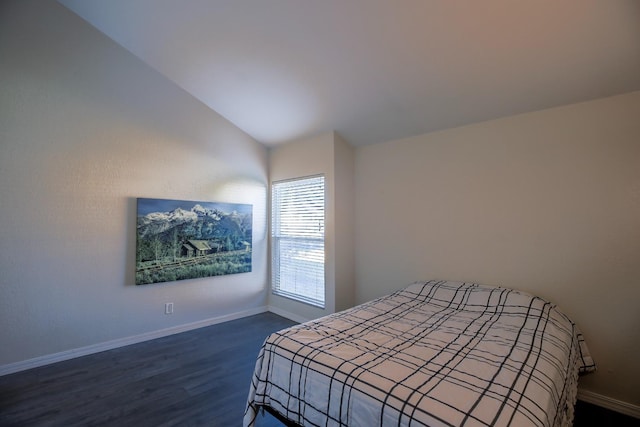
(548, 202)
(330, 155)
(85, 128)
(344, 223)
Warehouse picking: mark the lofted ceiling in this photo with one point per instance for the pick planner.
(378, 70)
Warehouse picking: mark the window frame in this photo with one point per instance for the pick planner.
(278, 236)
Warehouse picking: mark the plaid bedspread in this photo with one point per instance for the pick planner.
(433, 354)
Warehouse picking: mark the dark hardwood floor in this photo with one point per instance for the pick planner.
(196, 378)
(591, 415)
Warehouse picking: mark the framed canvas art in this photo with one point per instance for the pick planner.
(180, 239)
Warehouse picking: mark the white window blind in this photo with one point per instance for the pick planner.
(297, 239)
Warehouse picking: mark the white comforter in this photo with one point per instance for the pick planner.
(432, 354)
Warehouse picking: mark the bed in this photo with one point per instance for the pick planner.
(435, 353)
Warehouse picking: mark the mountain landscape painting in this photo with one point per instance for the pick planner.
(179, 239)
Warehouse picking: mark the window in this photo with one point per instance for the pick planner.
(297, 239)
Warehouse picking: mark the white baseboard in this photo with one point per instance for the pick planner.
(121, 342)
(287, 314)
(609, 403)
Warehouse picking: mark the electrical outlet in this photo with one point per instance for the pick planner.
(168, 308)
